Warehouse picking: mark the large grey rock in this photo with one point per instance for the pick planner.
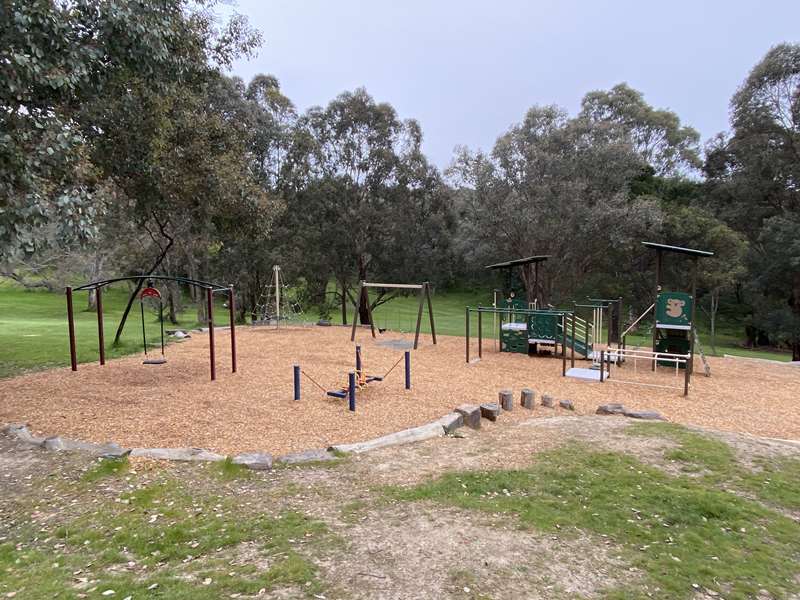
(548, 401)
(611, 409)
(257, 461)
(526, 398)
(415, 434)
(567, 404)
(506, 399)
(108, 450)
(178, 454)
(648, 415)
(452, 421)
(490, 410)
(54, 443)
(471, 414)
(20, 432)
(316, 455)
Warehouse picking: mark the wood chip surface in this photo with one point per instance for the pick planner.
(175, 404)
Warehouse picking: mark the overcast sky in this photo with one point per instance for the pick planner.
(467, 70)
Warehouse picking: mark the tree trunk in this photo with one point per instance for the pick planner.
(91, 305)
(796, 310)
(529, 281)
(344, 303)
(135, 293)
(171, 303)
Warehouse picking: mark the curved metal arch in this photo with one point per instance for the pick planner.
(214, 287)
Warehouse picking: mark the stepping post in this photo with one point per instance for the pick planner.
(526, 398)
(506, 398)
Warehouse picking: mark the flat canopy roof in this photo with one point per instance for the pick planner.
(519, 262)
(678, 249)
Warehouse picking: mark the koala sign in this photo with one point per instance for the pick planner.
(675, 307)
(674, 310)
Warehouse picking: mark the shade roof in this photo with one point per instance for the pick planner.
(678, 249)
(519, 262)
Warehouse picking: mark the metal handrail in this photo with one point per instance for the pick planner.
(636, 322)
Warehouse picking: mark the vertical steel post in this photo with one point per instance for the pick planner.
(351, 390)
(296, 369)
(466, 327)
(212, 357)
(73, 355)
(659, 258)
(358, 360)
(232, 311)
(686, 375)
(408, 369)
(480, 333)
(101, 340)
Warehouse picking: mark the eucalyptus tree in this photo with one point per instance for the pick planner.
(657, 135)
(58, 57)
(553, 185)
(754, 178)
(366, 201)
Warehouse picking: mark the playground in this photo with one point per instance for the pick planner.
(176, 405)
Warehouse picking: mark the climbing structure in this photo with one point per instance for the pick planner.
(276, 303)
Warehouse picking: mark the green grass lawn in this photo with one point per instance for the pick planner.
(33, 328)
(33, 325)
(699, 531)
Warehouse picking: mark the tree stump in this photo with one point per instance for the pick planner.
(548, 401)
(506, 398)
(471, 414)
(526, 398)
(566, 404)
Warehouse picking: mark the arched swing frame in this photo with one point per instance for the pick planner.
(210, 290)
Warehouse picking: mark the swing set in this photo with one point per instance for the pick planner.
(150, 291)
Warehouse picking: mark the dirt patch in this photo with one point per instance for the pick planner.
(424, 552)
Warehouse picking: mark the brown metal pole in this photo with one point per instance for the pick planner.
(687, 374)
(430, 311)
(73, 357)
(212, 357)
(690, 363)
(466, 330)
(564, 345)
(419, 316)
(480, 332)
(356, 311)
(659, 255)
(232, 310)
(101, 340)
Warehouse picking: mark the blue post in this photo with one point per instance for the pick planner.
(358, 359)
(351, 390)
(296, 382)
(408, 370)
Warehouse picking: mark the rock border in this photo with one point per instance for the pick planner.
(464, 415)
